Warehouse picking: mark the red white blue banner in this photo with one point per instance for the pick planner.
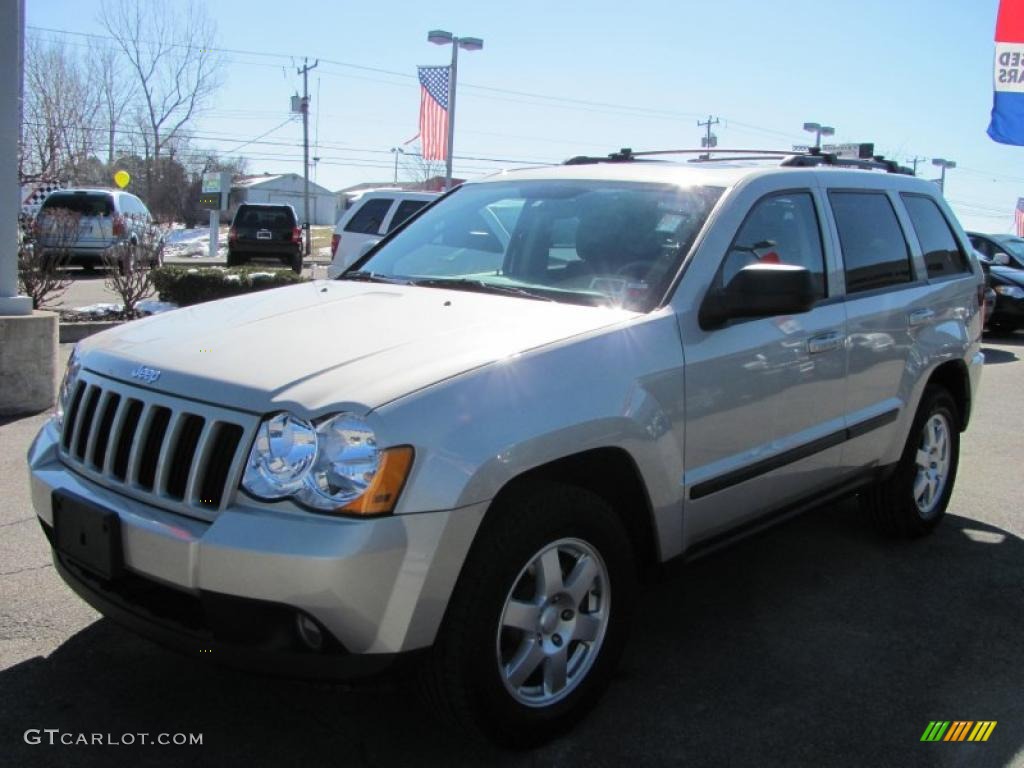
(1007, 125)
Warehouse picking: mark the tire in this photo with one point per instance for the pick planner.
(913, 500)
(235, 260)
(467, 678)
(295, 261)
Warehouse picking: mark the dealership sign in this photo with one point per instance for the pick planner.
(1007, 124)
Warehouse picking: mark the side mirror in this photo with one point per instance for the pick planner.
(1001, 260)
(759, 290)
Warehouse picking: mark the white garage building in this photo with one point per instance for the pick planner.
(287, 189)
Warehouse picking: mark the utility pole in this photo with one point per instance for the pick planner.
(708, 138)
(944, 165)
(304, 71)
(914, 161)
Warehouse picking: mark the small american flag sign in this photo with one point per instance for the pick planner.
(1018, 218)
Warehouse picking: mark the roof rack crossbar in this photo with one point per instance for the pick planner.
(813, 157)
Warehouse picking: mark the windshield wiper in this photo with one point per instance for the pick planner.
(481, 286)
(371, 277)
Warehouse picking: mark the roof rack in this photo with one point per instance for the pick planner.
(812, 157)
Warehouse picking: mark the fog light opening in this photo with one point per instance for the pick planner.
(309, 631)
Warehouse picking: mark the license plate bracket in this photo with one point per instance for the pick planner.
(87, 534)
(263, 234)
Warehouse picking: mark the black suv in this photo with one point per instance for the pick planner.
(265, 231)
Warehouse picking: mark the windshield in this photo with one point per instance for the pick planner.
(589, 242)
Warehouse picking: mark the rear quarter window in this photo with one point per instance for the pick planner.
(875, 253)
(405, 209)
(942, 254)
(369, 217)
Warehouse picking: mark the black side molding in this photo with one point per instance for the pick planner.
(729, 479)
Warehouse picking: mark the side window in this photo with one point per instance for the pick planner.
(875, 253)
(981, 245)
(942, 255)
(406, 208)
(780, 229)
(370, 216)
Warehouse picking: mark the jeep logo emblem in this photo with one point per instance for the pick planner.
(148, 375)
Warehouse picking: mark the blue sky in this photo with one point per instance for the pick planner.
(915, 77)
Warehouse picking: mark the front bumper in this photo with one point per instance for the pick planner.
(376, 587)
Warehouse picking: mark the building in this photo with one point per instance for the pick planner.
(287, 189)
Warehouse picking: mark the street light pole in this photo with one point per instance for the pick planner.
(440, 37)
(819, 130)
(943, 164)
(396, 151)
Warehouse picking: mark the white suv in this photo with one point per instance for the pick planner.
(539, 390)
(369, 218)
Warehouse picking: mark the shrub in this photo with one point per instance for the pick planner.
(194, 285)
(41, 264)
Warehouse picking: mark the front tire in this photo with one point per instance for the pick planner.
(913, 500)
(539, 617)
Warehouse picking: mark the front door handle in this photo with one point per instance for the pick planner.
(825, 342)
(920, 316)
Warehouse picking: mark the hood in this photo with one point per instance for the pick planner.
(1007, 275)
(330, 344)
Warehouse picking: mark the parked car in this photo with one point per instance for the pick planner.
(368, 219)
(265, 231)
(1002, 250)
(1007, 286)
(107, 222)
(468, 450)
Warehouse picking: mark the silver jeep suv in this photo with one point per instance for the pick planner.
(474, 443)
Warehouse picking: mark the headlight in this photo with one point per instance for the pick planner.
(1012, 291)
(337, 467)
(281, 456)
(67, 387)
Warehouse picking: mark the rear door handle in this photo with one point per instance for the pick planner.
(920, 316)
(825, 342)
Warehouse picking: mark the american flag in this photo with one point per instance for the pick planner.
(1018, 217)
(434, 112)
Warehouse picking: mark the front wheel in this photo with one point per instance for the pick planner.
(913, 500)
(538, 619)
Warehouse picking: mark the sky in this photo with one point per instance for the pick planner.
(561, 79)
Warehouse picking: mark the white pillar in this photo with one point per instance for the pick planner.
(214, 233)
(12, 39)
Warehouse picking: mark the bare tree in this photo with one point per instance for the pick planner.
(169, 50)
(418, 169)
(60, 107)
(127, 272)
(41, 264)
(116, 91)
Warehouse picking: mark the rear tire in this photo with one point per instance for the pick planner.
(538, 619)
(235, 260)
(296, 263)
(913, 500)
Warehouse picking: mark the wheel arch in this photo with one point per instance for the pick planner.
(953, 377)
(610, 473)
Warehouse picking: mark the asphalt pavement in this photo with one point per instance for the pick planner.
(817, 643)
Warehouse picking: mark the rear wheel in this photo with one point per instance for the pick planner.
(295, 261)
(235, 260)
(538, 620)
(913, 500)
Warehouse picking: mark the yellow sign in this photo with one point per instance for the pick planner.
(122, 179)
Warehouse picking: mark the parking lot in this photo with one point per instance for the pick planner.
(817, 643)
